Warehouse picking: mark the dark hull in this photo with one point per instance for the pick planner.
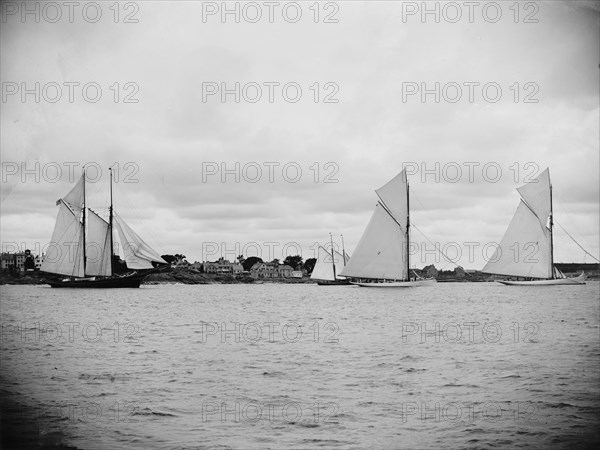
(333, 283)
(132, 280)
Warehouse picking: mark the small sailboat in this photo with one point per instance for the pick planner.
(527, 248)
(82, 247)
(328, 267)
(382, 258)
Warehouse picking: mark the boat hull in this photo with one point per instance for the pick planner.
(132, 280)
(579, 280)
(333, 282)
(397, 284)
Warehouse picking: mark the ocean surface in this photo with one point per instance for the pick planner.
(301, 366)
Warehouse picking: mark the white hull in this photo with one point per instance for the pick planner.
(558, 281)
(396, 284)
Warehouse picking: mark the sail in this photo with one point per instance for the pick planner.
(524, 250)
(394, 198)
(98, 251)
(537, 196)
(381, 251)
(138, 254)
(65, 251)
(323, 269)
(75, 197)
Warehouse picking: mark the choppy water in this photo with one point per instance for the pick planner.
(301, 366)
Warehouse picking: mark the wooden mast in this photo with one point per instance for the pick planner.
(110, 223)
(551, 236)
(407, 232)
(83, 221)
(332, 257)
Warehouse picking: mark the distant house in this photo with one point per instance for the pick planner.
(297, 274)
(223, 267)
(285, 271)
(13, 262)
(7, 262)
(270, 270)
(39, 260)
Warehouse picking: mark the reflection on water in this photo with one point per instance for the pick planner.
(302, 366)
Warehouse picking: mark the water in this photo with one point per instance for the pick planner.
(456, 365)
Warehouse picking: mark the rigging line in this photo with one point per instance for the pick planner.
(141, 223)
(428, 218)
(436, 247)
(573, 239)
(562, 205)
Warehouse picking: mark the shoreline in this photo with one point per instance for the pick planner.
(190, 277)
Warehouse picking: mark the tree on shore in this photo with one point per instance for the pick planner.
(295, 262)
(249, 262)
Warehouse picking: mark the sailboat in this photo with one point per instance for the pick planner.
(328, 266)
(527, 248)
(382, 257)
(85, 254)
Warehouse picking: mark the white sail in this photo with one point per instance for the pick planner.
(75, 198)
(524, 250)
(537, 196)
(65, 251)
(138, 254)
(394, 198)
(323, 269)
(381, 251)
(98, 251)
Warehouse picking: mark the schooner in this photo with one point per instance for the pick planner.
(83, 248)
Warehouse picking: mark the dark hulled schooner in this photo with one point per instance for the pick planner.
(83, 247)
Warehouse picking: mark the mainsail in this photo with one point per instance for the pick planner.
(98, 251)
(382, 250)
(138, 254)
(380, 253)
(323, 269)
(526, 248)
(65, 252)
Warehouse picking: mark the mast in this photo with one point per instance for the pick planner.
(407, 235)
(83, 222)
(110, 223)
(343, 250)
(551, 237)
(332, 257)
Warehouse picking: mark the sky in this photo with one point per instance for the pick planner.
(259, 128)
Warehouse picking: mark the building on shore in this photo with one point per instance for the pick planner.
(262, 270)
(222, 267)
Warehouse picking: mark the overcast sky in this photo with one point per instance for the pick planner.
(518, 91)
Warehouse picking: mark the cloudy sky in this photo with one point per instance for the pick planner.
(333, 100)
